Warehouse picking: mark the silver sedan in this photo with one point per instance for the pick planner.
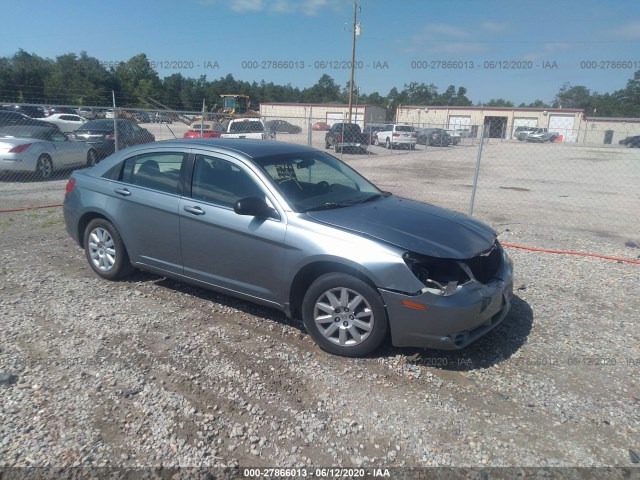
(40, 150)
(293, 228)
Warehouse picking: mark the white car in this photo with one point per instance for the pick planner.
(66, 122)
(393, 136)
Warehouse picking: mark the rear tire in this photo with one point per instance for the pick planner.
(44, 167)
(344, 315)
(105, 250)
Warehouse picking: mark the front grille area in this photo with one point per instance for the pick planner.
(485, 267)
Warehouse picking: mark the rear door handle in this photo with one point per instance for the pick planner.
(123, 191)
(194, 210)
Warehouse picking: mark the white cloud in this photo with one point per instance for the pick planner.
(547, 51)
(442, 38)
(246, 5)
(306, 7)
(494, 27)
(630, 30)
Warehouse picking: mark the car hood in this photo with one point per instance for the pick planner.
(419, 227)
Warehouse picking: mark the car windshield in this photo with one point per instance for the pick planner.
(404, 128)
(317, 181)
(246, 127)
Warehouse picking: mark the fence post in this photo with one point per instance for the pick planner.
(115, 120)
(309, 132)
(475, 175)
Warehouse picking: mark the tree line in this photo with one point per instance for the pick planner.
(73, 79)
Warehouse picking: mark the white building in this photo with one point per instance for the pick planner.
(302, 114)
(502, 121)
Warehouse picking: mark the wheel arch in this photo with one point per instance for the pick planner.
(84, 220)
(310, 272)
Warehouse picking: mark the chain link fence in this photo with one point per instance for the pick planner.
(585, 180)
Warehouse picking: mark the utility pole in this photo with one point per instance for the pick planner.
(356, 30)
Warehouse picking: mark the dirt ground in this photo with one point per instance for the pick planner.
(149, 371)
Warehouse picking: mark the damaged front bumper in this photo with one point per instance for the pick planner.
(450, 322)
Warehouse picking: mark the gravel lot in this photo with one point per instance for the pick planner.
(151, 372)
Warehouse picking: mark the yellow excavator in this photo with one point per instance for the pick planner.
(233, 106)
(237, 105)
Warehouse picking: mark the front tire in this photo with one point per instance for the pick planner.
(44, 167)
(105, 250)
(344, 315)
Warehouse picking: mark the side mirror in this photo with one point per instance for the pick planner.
(255, 207)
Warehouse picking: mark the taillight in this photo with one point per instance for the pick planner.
(20, 148)
(70, 183)
(338, 138)
(396, 134)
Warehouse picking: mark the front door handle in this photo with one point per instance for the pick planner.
(123, 191)
(194, 210)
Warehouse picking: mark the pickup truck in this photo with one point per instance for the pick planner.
(346, 136)
(247, 128)
(542, 135)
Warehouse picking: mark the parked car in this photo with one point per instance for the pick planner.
(162, 117)
(296, 229)
(347, 136)
(437, 137)
(110, 113)
(32, 111)
(320, 126)
(52, 110)
(541, 135)
(41, 150)
(141, 117)
(8, 118)
(207, 128)
(370, 131)
(456, 136)
(283, 126)
(630, 142)
(66, 122)
(86, 112)
(100, 134)
(521, 132)
(397, 136)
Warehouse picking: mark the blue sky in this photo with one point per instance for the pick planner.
(409, 40)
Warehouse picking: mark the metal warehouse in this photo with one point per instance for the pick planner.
(571, 124)
(302, 114)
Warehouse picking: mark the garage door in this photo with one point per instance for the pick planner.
(462, 122)
(334, 118)
(563, 124)
(523, 122)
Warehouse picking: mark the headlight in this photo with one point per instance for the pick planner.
(439, 276)
(444, 276)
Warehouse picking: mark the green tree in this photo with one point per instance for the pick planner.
(498, 102)
(137, 81)
(324, 91)
(78, 80)
(573, 97)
